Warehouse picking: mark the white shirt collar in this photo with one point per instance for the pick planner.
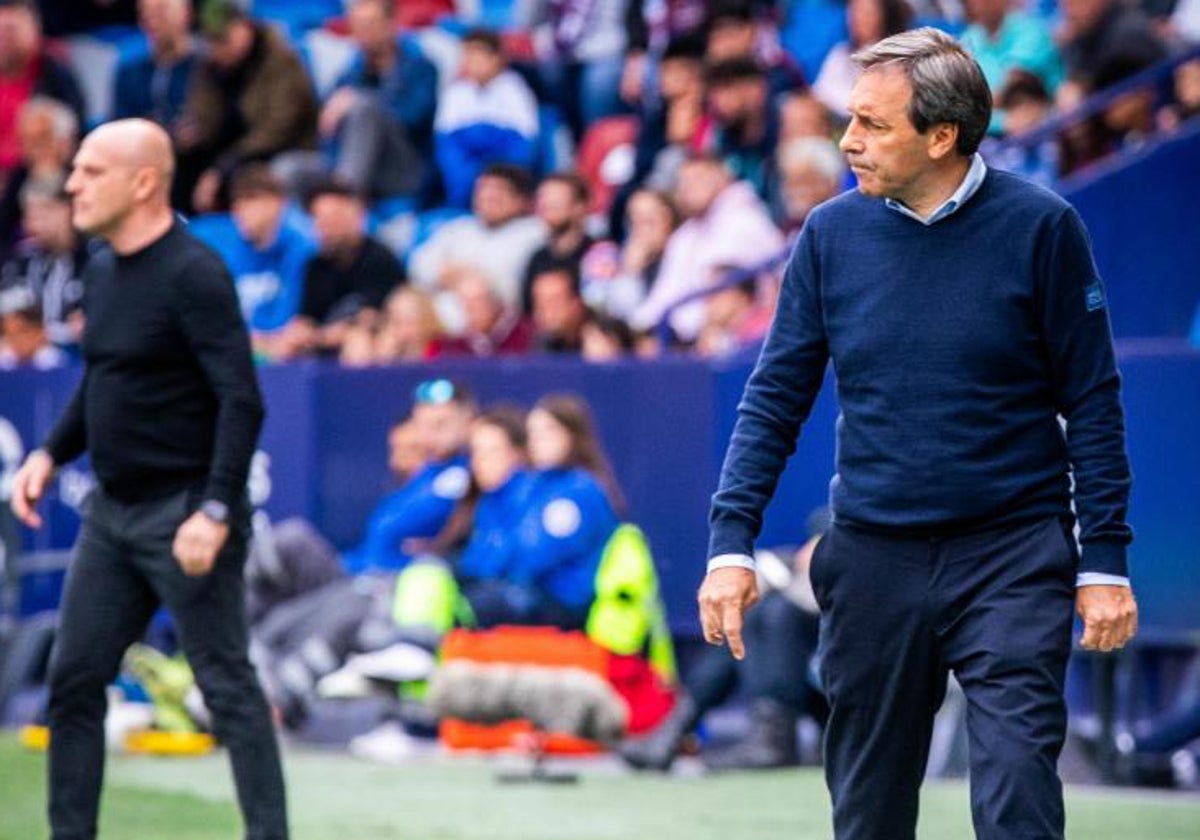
(969, 186)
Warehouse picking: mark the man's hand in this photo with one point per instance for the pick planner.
(336, 108)
(197, 543)
(29, 485)
(1109, 616)
(724, 597)
(632, 76)
(208, 188)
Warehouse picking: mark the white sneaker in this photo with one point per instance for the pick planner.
(399, 663)
(386, 744)
(344, 684)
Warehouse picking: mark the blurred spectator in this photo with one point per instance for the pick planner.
(155, 86)
(671, 123)
(1185, 21)
(251, 100)
(1186, 104)
(24, 343)
(1130, 119)
(811, 170)
(868, 21)
(497, 241)
(1096, 32)
(734, 320)
(1003, 38)
(537, 537)
(271, 256)
(615, 280)
(48, 133)
(745, 129)
(486, 520)
(418, 511)
(488, 115)
(381, 114)
(409, 331)
(559, 313)
(562, 205)
(803, 115)
(48, 265)
(580, 46)
(606, 339)
(651, 25)
(1085, 141)
(571, 511)
(27, 70)
(1025, 103)
(737, 29)
(491, 327)
(346, 283)
(726, 226)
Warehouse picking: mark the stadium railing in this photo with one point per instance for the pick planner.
(1157, 75)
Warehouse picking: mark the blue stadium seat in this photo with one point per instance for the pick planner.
(810, 29)
(298, 16)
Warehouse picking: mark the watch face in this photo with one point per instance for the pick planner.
(216, 511)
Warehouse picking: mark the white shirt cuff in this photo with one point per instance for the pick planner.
(1099, 579)
(726, 561)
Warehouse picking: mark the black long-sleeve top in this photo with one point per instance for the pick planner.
(169, 397)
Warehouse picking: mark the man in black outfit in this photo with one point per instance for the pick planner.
(347, 282)
(169, 411)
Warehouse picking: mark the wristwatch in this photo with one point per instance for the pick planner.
(216, 511)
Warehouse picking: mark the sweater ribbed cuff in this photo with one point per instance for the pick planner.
(1105, 557)
(730, 538)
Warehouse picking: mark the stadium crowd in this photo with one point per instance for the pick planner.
(598, 178)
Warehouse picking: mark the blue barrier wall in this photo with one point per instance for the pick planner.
(1144, 218)
(665, 425)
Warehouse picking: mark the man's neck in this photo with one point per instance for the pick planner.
(60, 245)
(172, 50)
(382, 60)
(16, 65)
(567, 241)
(343, 254)
(141, 230)
(924, 199)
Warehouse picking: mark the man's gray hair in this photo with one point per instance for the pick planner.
(947, 84)
(63, 121)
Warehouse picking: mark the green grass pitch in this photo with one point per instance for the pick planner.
(334, 797)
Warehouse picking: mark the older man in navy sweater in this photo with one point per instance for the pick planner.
(964, 316)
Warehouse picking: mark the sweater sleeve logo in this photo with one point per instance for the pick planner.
(1094, 296)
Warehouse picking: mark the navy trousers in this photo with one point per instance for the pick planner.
(898, 615)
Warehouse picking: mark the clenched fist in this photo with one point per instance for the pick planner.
(1109, 614)
(197, 543)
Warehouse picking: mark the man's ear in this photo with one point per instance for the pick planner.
(943, 138)
(145, 183)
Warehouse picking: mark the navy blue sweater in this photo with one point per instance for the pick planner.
(956, 347)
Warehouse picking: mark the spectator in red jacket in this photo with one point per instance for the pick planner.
(27, 70)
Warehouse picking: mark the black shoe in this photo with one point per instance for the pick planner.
(657, 750)
(770, 744)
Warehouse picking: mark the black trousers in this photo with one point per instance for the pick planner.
(898, 615)
(121, 571)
